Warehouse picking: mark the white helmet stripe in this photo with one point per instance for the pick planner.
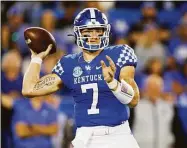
(92, 13)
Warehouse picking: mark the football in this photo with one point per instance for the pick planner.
(38, 39)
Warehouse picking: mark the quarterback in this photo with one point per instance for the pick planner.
(101, 80)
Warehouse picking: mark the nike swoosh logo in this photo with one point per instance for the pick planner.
(98, 67)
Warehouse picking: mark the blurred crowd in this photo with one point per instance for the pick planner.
(157, 31)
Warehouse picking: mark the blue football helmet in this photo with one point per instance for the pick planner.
(91, 18)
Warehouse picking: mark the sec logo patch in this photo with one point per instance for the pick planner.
(77, 71)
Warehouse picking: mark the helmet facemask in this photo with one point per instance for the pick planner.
(84, 41)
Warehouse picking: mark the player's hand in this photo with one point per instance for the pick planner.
(108, 72)
(43, 54)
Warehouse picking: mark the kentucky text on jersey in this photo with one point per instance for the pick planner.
(95, 104)
(88, 78)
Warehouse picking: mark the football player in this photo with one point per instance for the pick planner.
(101, 80)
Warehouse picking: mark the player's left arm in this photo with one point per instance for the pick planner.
(127, 74)
(125, 90)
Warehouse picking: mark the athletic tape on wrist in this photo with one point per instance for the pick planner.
(124, 92)
(36, 60)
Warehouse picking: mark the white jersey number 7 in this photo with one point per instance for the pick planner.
(94, 86)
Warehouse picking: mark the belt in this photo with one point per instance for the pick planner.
(107, 130)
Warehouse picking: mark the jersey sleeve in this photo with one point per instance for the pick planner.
(126, 57)
(59, 69)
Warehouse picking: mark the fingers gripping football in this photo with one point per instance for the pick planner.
(43, 54)
(108, 71)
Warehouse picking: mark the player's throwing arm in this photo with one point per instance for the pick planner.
(33, 85)
(126, 91)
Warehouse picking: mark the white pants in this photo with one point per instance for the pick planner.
(105, 137)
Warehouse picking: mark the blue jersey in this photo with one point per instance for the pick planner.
(95, 104)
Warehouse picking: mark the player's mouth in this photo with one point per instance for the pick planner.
(93, 42)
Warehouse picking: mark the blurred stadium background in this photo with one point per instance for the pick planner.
(157, 31)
